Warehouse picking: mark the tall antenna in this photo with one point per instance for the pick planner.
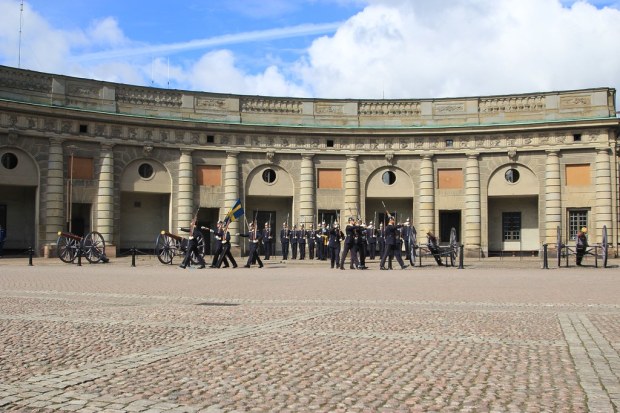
(19, 52)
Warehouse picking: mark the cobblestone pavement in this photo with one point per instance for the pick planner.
(499, 335)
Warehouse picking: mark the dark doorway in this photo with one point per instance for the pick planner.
(447, 221)
(80, 219)
(328, 216)
(208, 217)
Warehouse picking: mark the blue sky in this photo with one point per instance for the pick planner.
(322, 48)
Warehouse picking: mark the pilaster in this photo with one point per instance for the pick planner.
(553, 197)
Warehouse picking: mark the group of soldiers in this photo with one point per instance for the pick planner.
(326, 243)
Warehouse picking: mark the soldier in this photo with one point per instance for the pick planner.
(350, 245)
(362, 243)
(391, 244)
(192, 246)
(285, 236)
(254, 237)
(217, 247)
(294, 242)
(582, 245)
(405, 236)
(226, 248)
(381, 240)
(372, 240)
(267, 240)
(311, 241)
(324, 241)
(301, 241)
(433, 246)
(333, 244)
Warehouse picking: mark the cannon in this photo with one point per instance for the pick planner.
(600, 250)
(92, 247)
(169, 245)
(451, 250)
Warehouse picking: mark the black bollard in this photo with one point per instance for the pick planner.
(545, 258)
(30, 254)
(133, 256)
(461, 248)
(79, 251)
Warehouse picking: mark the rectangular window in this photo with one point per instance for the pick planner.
(450, 178)
(511, 225)
(82, 168)
(577, 219)
(578, 175)
(209, 175)
(329, 179)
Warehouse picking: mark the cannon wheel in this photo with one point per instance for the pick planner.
(165, 248)
(93, 246)
(201, 249)
(454, 246)
(67, 249)
(559, 246)
(604, 246)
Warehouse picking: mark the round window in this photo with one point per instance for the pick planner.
(9, 160)
(512, 175)
(145, 171)
(269, 176)
(389, 178)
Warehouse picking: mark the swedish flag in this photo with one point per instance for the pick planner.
(235, 213)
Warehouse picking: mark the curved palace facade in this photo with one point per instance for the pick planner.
(129, 161)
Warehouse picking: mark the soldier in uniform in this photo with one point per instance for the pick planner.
(362, 243)
(324, 241)
(350, 245)
(381, 240)
(192, 246)
(267, 240)
(333, 244)
(285, 237)
(254, 236)
(391, 243)
(301, 241)
(405, 236)
(294, 241)
(226, 248)
(311, 241)
(217, 248)
(372, 240)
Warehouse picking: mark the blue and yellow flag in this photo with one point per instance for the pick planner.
(235, 213)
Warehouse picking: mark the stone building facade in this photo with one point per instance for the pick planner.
(129, 161)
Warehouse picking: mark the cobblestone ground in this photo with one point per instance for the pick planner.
(499, 336)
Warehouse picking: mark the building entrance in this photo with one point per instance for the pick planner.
(447, 221)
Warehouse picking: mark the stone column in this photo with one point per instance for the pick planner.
(185, 206)
(427, 195)
(553, 197)
(306, 189)
(54, 193)
(351, 188)
(105, 195)
(604, 210)
(473, 219)
(231, 191)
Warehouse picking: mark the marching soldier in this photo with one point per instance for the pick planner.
(192, 246)
(324, 241)
(381, 240)
(350, 245)
(406, 236)
(362, 243)
(225, 254)
(301, 241)
(391, 243)
(285, 236)
(294, 242)
(254, 237)
(372, 240)
(311, 241)
(218, 234)
(335, 238)
(267, 240)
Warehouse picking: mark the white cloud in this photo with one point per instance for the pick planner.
(422, 49)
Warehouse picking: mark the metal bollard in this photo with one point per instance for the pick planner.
(545, 257)
(133, 256)
(30, 254)
(461, 248)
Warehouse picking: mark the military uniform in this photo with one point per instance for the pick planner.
(372, 241)
(381, 240)
(192, 247)
(350, 245)
(285, 236)
(301, 242)
(225, 254)
(254, 237)
(267, 241)
(335, 238)
(311, 242)
(392, 242)
(294, 242)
